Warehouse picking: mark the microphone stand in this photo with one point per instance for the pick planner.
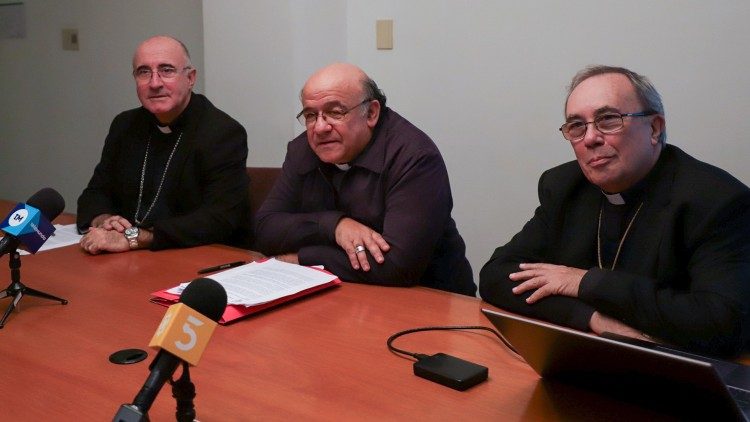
(183, 390)
(17, 290)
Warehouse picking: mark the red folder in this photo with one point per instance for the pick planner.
(235, 312)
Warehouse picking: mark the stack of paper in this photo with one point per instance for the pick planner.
(259, 285)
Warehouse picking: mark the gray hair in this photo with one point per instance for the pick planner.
(644, 89)
(371, 91)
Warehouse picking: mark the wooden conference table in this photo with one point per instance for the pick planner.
(319, 358)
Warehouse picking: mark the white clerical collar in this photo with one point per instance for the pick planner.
(343, 167)
(614, 198)
(164, 129)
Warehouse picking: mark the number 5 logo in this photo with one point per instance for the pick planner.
(187, 328)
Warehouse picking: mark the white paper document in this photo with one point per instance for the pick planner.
(260, 282)
(64, 235)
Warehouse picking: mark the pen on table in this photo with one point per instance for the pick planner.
(221, 267)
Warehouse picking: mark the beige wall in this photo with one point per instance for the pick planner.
(486, 79)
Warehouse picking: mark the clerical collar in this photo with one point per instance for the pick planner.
(634, 194)
(179, 123)
(343, 167)
(614, 198)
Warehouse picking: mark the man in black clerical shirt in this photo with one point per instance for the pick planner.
(363, 192)
(637, 237)
(172, 172)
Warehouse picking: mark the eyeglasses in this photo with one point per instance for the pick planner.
(606, 123)
(143, 74)
(332, 117)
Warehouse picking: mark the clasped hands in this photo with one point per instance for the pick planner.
(106, 235)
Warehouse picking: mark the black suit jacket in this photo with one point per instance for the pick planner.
(206, 186)
(684, 271)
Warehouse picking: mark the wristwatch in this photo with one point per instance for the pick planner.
(131, 233)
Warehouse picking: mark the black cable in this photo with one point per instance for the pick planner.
(420, 356)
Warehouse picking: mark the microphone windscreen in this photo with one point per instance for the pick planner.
(49, 202)
(205, 296)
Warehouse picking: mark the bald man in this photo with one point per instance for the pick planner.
(363, 192)
(172, 172)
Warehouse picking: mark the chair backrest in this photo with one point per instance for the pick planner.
(261, 182)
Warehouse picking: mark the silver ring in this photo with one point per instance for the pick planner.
(359, 248)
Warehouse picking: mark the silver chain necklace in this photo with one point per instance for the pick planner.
(622, 239)
(161, 182)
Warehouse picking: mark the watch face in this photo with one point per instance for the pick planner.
(131, 231)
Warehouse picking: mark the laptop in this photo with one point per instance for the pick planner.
(685, 384)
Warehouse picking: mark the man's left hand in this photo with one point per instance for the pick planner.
(111, 222)
(548, 280)
(355, 238)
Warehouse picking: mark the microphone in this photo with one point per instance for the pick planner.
(181, 337)
(29, 223)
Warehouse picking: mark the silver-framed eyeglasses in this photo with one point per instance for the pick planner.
(166, 72)
(610, 122)
(332, 117)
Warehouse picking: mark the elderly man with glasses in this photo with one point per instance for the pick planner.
(636, 238)
(172, 172)
(363, 192)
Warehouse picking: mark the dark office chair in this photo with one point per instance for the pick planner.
(261, 182)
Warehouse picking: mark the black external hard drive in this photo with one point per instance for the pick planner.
(450, 371)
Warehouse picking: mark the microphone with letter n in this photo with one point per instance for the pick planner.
(29, 223)
(181, 337)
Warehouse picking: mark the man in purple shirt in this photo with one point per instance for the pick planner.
(363, 192)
